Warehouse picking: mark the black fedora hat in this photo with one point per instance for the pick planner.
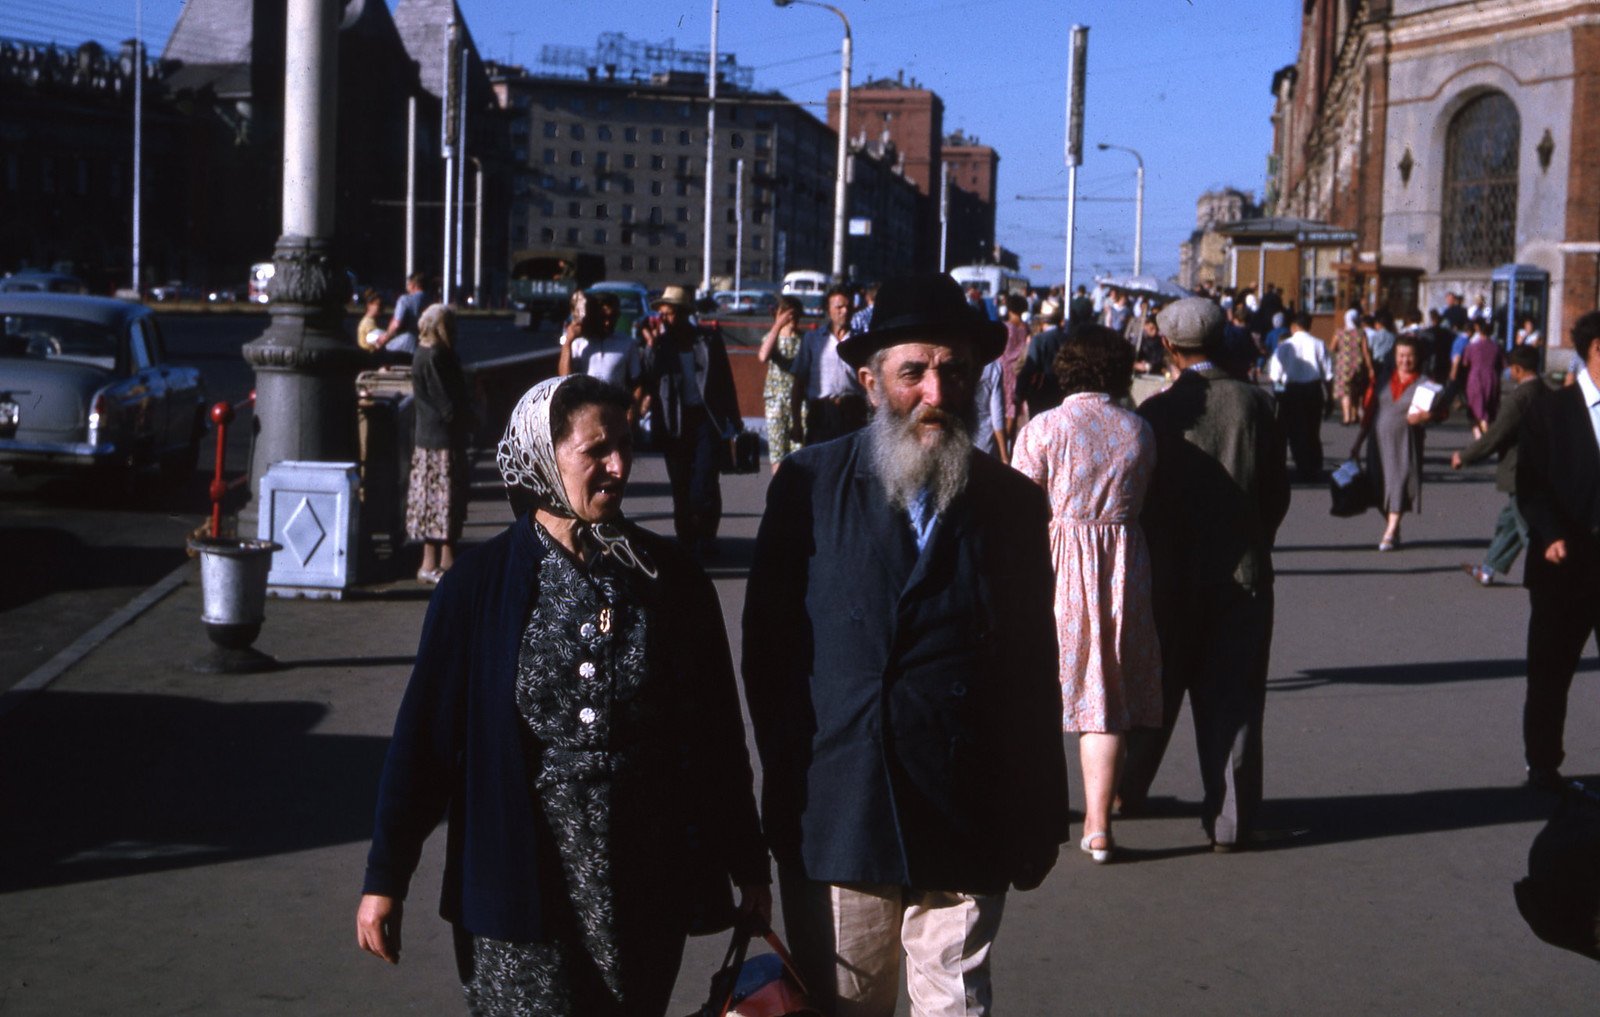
(924, 308)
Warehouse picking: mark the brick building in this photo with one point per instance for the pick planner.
(1450, 139)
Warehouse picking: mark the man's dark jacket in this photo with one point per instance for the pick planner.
(1558, 492)
(906, 707)
(1221, 485)
(664, 379)
(1503, 435)
(459, 744)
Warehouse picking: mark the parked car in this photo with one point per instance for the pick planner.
(28, 281)
(746, 301)
(85, 385)
(633, 302)
(174, 291)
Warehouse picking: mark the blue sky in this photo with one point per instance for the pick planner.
(1184, 82)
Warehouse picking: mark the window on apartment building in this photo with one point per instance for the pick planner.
(627, 213)
(680, 240)
(685, 111)
(574, 209)
(658, 162)
(762, 140)
(575, 184)
(654, 264)
(603, 132)
(681, 187)
(683, 164)
(758, 242)
(548, 235)
(627, 185)
(733, 240)
(602, 211)
(549, 157)
(736, 140)
(758, 215)
(733, 190)
(576, 158)
(630, 134)
(733, 215)
(627, 235)
(656, 218)
(681, 265)
(573, 235)
(602, 160)
(657, 136)
(655, 188)
(600, 235)
(733, 165)
(683, 213)
(627, 262)
(683, 137)
(602, 183)
(1480, 184)
(552, 129)
(575, 132)
(628, 160)
(755, 267)
(761, 167)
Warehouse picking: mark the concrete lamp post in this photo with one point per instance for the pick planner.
(1138, 209)
(305, 363)
(840, 187)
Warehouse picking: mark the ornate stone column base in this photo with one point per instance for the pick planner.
(305, 363)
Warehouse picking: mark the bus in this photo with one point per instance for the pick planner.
(991, 280)
(543, 281)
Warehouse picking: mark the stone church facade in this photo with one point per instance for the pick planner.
(1452, 138)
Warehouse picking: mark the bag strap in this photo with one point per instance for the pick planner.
(732, 964)
(788, 962)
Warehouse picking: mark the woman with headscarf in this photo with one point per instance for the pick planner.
(573, 710)
(436, 500)
(1352, 366)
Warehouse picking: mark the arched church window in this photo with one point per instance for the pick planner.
(1480, 184)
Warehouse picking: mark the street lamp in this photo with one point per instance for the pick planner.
(839, 195)
(1138, 209)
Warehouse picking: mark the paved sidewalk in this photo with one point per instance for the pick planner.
(178, 843)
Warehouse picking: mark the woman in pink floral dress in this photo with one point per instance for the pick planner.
(1095, 460)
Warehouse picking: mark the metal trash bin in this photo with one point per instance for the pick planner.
(383, 399)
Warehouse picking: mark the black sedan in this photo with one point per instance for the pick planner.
(84, 384)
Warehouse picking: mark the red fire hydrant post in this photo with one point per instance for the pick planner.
(222, 415)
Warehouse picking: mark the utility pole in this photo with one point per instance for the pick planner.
(1077, 56)
(738, 227)
(447, 124)
(841, 175)
(944, 218)
(411, 186)
(461, 174)
(138, 136)
(477, 237)
(711, 155)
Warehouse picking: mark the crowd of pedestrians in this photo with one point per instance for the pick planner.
(979, 538)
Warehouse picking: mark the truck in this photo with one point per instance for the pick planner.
(543, 281)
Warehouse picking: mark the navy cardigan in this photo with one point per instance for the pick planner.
(458, 745)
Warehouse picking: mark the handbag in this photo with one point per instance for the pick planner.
(1351, 488)
(763, 986)
(739, 453)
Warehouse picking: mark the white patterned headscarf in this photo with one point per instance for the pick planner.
(527, 459)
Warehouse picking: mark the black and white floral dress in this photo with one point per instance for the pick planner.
(601, 743)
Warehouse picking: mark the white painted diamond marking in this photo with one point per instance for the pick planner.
(303, 533)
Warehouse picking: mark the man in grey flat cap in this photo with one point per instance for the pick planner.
(1220, 489)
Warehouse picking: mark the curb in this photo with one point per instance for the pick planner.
(41, 676)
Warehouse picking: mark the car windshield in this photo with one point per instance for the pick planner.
(47, 338)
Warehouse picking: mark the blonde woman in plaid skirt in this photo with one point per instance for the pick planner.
(436, 503)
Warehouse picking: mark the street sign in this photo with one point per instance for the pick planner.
(861, 227)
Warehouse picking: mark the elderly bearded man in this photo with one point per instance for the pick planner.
(900, 667)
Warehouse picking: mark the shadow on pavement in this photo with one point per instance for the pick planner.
(1372, 545)
(42, 560)
(1429, 673)
(1288, 823)
(102, 786)
(338, 662)
(1419, 571)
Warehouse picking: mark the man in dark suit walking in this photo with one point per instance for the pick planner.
(1219, 492)
(900, 668)
(1558, 493)
(1510, 532)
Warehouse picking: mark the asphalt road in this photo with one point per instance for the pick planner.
(76, 552)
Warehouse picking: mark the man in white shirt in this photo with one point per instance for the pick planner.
(592, 347)
(1299, 369)
(835, 402)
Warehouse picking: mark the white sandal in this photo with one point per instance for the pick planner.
(1098, 855)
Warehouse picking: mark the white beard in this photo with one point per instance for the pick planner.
(906, 467)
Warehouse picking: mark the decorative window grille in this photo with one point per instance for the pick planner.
(1480, 184)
